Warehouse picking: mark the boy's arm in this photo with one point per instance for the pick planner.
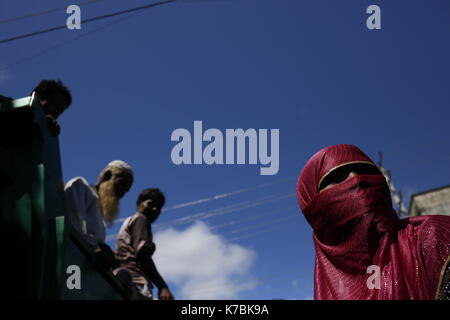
(142, 241)
(148, 265)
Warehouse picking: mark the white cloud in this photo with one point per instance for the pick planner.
(202, 264)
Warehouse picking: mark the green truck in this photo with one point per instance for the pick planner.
(42, 256)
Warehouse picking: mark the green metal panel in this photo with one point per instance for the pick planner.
(96, 282)
(22, 204)
(36, 240)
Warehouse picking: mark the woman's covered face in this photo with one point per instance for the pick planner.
(340, 189)
(329, 167)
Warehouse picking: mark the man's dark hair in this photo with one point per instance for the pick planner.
(154, 194)
(46, 88)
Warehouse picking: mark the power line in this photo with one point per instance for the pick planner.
(262, 224)
(219, 196)
(32, 34)
(40, 13)
(226, 195)
(112, 236)
(62, 44)
(36, 14)
(251, 235)
(227, 209)
(251, 218)
(215, 212)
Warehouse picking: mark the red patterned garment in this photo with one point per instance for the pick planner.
(355, 227)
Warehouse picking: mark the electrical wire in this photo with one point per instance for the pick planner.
(105, 16)
(36, 14)
(62, 44)
(218, 196)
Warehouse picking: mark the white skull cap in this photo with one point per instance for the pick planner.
(121, 165)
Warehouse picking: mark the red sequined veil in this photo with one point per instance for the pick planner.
(355, 227)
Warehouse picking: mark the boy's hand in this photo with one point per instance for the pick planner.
(165, 294)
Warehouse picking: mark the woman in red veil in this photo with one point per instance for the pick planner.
(363, 251)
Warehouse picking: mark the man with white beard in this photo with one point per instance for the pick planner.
(91, 208)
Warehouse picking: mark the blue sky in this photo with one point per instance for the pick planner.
(311, 69)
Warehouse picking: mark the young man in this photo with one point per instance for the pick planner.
(55, 98)
(90, 208)
(135, 247)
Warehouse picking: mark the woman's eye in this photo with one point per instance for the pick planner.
(339, 177)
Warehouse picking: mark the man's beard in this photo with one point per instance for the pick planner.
(109, 203)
